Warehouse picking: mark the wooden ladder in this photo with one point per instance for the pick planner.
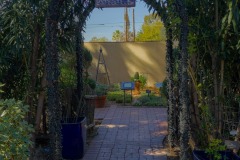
(101, 62)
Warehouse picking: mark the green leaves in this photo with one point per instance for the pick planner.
(152, 29)
(214, 147)
(1, 85)
(14, 130)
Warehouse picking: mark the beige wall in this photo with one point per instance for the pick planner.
(123, 59)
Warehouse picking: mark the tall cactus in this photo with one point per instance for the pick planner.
(184, 95)
(52, 59)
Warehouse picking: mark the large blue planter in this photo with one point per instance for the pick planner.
(74, 138)
(226, 155)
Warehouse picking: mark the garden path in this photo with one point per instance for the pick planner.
(129, 133)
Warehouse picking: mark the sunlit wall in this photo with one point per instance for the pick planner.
(123, 59)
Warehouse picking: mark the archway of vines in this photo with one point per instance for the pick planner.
(203, 71)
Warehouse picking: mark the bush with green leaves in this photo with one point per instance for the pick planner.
(141, 78)
(143, 81)
(214, 147)
(151, 100)
(101, 89)
(115, 87)
(118, 96)
(15, 132)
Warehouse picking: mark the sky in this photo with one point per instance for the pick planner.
(102, 23)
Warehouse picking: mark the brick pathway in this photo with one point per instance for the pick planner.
(129, 133)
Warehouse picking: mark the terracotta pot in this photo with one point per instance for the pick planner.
(137, 87)
(100, 101)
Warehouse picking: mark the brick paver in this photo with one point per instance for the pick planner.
(129, 133)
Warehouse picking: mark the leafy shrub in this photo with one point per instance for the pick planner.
(139, 77)
(151, 100)
(101, 89)
(127, 99)
(118, 96)
(91, 83)
(15, 131)
(112, 96)
(143, 81)
(214, 147)
(115, 87)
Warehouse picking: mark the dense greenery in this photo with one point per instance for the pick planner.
(118, 96)
(15, 139)
(152, 29)
(32, 34)
(209, 31)
(202, 74)
(150, 100)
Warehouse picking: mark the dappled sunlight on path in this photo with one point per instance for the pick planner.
(129, 133)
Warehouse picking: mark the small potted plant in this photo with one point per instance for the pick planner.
(215, 151)
(101, 92)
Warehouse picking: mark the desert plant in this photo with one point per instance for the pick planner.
(15, 139)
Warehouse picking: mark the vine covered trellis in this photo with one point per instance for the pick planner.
(203, 69)
(205, 32)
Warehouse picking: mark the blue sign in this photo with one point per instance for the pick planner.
(114, 3)
(159, 85)
(127, 85)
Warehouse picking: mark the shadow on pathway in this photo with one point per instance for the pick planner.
(129, 133)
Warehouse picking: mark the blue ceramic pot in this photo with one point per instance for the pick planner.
(73, 138)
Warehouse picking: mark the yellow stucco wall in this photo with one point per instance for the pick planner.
(123, 59)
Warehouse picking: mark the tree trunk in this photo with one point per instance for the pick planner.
(41, 98)
(221, 93)
(184, 96)
(171, 110)
(195, 92)
(52, 59)
(33, 72)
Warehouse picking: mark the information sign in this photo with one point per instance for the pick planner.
(127, 85)
(114, 3)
